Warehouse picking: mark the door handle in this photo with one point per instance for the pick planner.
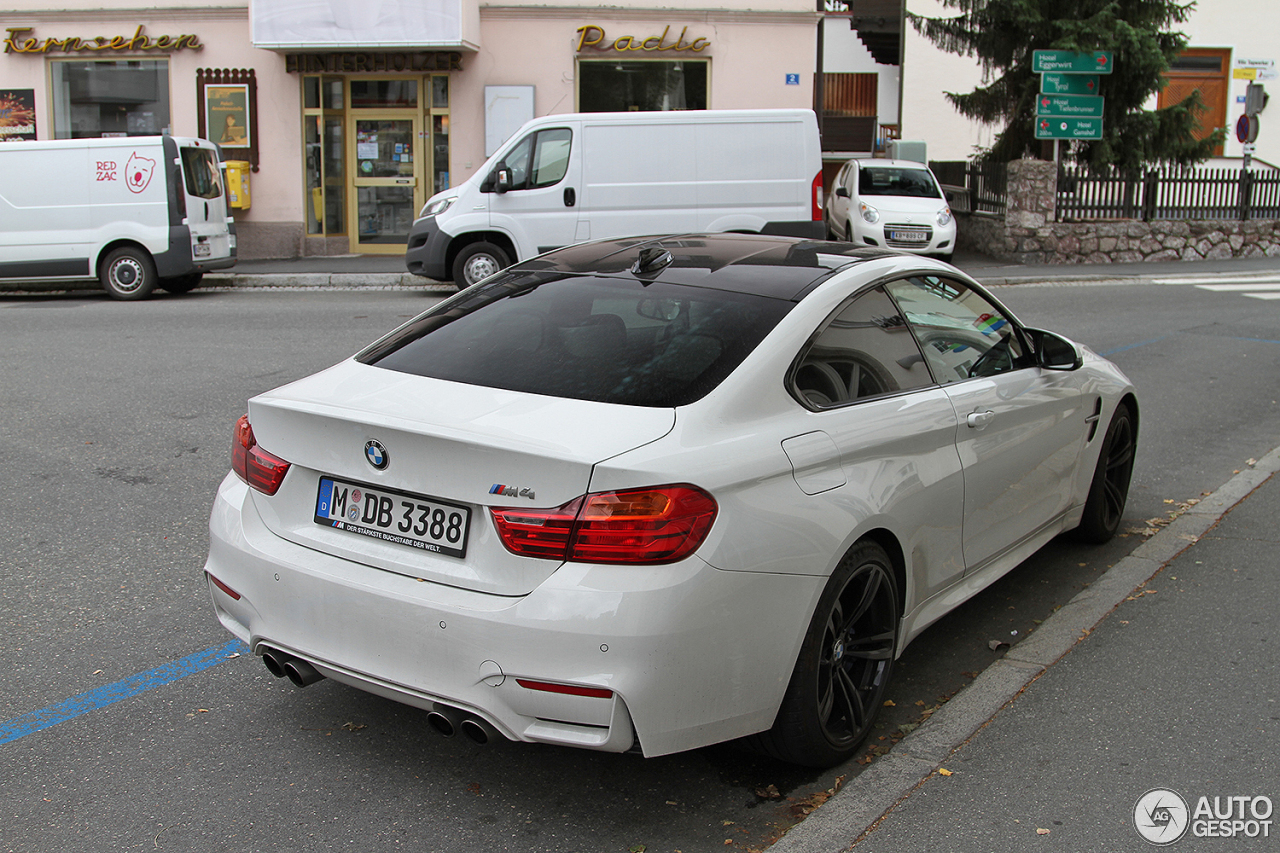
(978, 420)
(570, 197)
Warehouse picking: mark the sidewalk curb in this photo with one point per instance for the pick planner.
(845, 818)
(325, 281)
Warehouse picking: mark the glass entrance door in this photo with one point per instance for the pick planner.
(388, 192)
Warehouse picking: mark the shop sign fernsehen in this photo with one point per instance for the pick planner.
(1068, 106)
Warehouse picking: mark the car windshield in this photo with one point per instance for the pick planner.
(880, 180)
(585, 337)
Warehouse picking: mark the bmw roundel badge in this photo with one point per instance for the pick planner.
(376, 454)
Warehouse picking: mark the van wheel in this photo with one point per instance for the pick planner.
(128, 274)
(182, 283)
(477, 261)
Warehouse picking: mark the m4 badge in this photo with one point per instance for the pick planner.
(510, 491)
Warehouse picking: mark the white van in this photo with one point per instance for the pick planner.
(564, 179)
(132, 212)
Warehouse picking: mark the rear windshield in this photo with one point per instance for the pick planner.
(612, 340)
(890, 181)
(200, 168)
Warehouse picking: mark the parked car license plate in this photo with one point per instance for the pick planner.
(203, 250)
(909, 236)
(392, 516)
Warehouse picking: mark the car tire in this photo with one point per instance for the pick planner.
(477, 261)
(946, 257)
(182, 283)
(128, 274)
(1109, 490)
(844, 666)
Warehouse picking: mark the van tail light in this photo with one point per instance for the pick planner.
(817, 197)
(263, 471)
(649, 526)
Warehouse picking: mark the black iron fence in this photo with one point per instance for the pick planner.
(1168, 193)
(973, 187)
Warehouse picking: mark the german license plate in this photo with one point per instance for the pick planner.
(388, 515)
(909, 236)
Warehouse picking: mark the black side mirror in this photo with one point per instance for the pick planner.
(1054, 352)
(502, 182)
(842, 192)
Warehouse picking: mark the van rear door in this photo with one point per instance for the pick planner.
(206, 203)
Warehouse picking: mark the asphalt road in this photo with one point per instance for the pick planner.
(114, 432)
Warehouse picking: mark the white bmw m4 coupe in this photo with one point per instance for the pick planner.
(657, 493)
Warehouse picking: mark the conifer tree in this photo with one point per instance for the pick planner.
(1002, 34)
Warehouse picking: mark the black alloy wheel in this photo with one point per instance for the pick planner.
(1109, 491)
(844, 666)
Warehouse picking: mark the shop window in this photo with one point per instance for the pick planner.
(110, 98)
(652, 85)
(384, 94)
(325, 154)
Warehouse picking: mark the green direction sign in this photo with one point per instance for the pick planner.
(1070, 62)
(1069, 84)
(1068, 128)
(1071, 106)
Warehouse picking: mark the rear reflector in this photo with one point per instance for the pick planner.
(222, 586)
(263, 471)
(662, 524)
(567, 689)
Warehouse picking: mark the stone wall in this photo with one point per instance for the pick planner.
(1028, 234)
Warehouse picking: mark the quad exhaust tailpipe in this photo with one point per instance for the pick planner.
(449, 721)
(283, 665)
(445, 720)
(479, 731)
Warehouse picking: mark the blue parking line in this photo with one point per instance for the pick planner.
(109, 694)
(1112, 352)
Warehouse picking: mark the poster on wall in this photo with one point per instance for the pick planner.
(17, 114)
(227, 114)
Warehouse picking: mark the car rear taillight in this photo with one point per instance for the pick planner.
(261, 470)
(638, 526)
(817, 197)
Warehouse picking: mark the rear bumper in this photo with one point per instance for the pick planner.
(178, 259)
(693, 655)
(427, 251)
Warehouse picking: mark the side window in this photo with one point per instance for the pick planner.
(551, 157)
(865, 350)
(961, 333)
(517, 163)
(539, 160)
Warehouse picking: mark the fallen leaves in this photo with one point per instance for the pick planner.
(802, 808)
(942, 771)
(1153, 525)
(1041, 831)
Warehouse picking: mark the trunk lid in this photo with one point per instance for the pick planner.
(460, 446)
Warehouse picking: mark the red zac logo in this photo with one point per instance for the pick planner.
(138, 172)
